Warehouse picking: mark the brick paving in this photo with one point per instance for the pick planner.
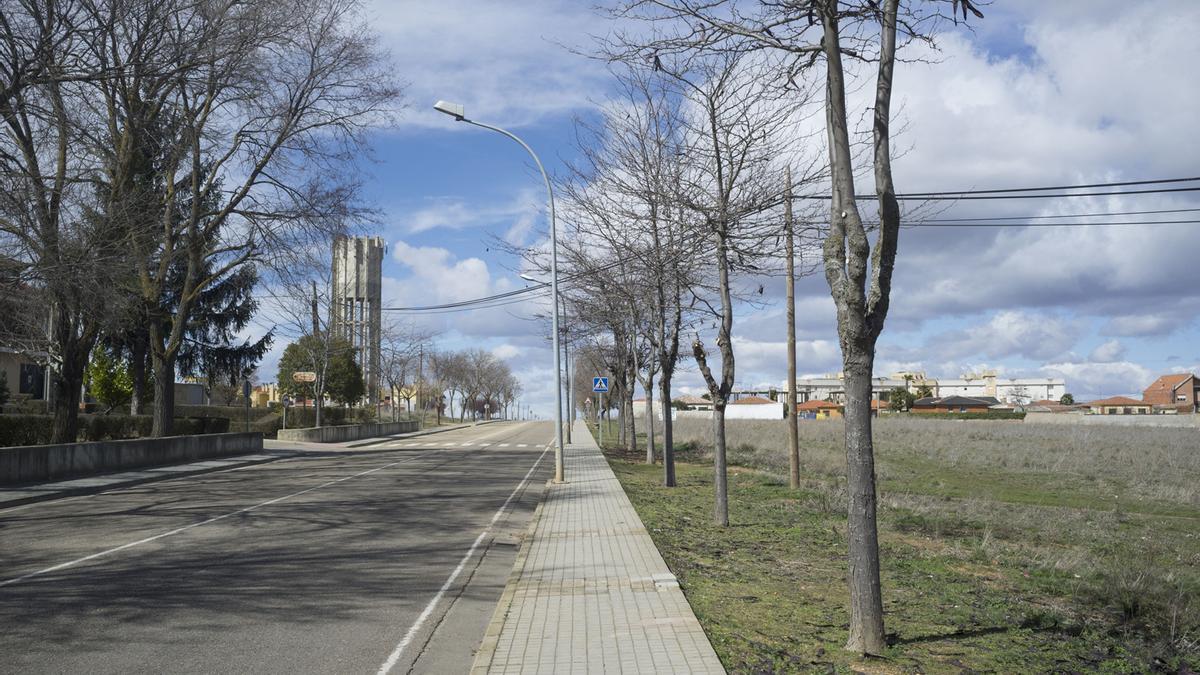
(589, 592)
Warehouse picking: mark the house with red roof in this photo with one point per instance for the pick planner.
(1180, 391)
(1120, 405)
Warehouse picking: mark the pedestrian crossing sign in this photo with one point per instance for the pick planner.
(600, 384)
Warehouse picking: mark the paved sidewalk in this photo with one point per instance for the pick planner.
(589, 591)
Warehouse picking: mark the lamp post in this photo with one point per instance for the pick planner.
(456, 111)
(566, 345)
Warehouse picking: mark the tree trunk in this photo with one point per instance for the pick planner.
(650, 418)
(866, 596)
(631, 435)
(137, 373)
(163, 420)
(721, 510)
(664, 384)
(68, 385)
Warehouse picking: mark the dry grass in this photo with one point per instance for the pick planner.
(1103, 522)
(1149, 463)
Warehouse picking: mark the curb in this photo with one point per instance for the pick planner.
(414, 434)
(491, 636)
(97, 489)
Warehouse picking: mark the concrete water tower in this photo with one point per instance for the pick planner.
(357, 294)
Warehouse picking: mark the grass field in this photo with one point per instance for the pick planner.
(1006, 547)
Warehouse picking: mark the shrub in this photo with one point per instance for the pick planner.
(36, 429)
(25, 429)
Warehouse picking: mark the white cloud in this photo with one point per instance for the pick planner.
(503, 61)
(506, 351)
(1108, 352)
(1097, 380)
(518, 215)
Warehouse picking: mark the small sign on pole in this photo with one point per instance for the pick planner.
(600, 386)
(304, 376)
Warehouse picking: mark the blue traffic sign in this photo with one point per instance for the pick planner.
(600, 384)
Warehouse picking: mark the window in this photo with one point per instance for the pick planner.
(1182, 399)
(1126, 411)
(33, 382)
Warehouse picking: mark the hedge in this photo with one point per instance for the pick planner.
(36, 429)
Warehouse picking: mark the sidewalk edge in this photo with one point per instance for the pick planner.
(491, 636)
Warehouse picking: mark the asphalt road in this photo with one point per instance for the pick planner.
(389, 557)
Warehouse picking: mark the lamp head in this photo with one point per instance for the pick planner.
(454, 110)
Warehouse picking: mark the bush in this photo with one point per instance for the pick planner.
(25, 429)
(36, 429)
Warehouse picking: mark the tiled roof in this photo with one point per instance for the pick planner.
(818, 405)
(1169, 381)
(1118, 401)
(752, 400)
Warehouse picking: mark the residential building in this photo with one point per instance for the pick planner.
(26, 378)
(754, 408)
(954, 404)
(1180, 391)
(1120, 405)
(818, 410)
(971, 385)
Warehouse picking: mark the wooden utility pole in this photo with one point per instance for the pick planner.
(793, 422)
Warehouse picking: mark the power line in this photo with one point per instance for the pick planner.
(995, 224)
(1068, 215)
(1024, 192)
(1060, 187)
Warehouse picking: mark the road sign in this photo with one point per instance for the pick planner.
(304, 376)
(600, 384)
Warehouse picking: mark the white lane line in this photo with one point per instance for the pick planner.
(522, 445)
(185, 528)
(449, 445)
(504, 445)
(425, 614)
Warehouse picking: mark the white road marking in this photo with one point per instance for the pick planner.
(522, 445)
(449, 445)
(394, 657)
(185, 528)
(504, 445)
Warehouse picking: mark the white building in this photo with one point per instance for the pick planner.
(987, 383)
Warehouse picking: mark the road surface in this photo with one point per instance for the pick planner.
(384, 558)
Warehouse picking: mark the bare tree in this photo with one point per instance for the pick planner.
(859, 274)
(68, 258)
(235, 143)
(401, 345)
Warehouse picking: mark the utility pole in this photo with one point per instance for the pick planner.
(793, 422)
(420, 378)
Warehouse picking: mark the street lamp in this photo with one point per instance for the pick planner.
(566, 344)
(456, 111)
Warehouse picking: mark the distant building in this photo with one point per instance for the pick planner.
(1120, 405)
(954, 404)
(357, 302)
(971, 385)
(26, 377)
(754, 408)
(1180, 391)
(818, 410)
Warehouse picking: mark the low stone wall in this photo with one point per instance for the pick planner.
(31, 463)
(347, 432)
(1185, 421)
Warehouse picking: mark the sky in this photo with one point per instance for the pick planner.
(1037, 93)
